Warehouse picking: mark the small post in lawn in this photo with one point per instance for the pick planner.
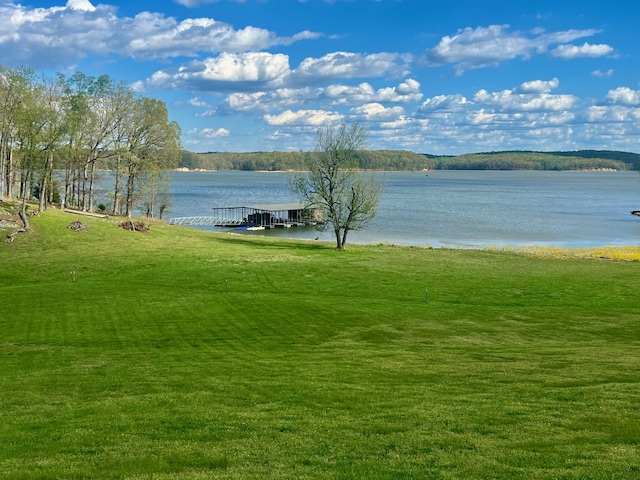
(426, 295)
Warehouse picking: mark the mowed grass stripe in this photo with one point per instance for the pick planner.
(186, 354)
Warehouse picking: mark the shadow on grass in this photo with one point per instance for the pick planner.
(276, 243)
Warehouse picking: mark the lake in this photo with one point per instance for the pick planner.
(457, 209)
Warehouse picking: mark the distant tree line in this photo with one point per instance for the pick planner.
(56, 135)
(402, 160)
(539, 161)
(282, 161)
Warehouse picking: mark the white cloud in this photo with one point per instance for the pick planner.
(157, 36)
(228, 71)
(539, 86)
(352, 65)
(489, 46)
(211, 133)
(567, 52)
(266, 101)
(337, 94)
(197, 102)
(57, 36)
(405, 123)
(406, 92)
(303, 117)
(444, 103)
(623, 96)
(480, 117)
(612, 114)
(509, 100)
(602, 73)
(377, 112)
(83, 5)
(340, 94)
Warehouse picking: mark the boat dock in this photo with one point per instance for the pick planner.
(255, 217)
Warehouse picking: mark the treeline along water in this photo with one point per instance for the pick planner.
(451, 208)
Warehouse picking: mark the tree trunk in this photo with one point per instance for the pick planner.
(10, 173)
(42, 193)
(3, 157)
(129, 200)
(338, 238)
(116, 188)
(23, 211)
(83, 193)
(344, 239)
(91, 179)
(67, 187)
(45, 182)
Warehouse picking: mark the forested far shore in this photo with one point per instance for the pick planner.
(404, 160)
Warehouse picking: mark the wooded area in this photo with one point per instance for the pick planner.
(77, 126)
(402, 160)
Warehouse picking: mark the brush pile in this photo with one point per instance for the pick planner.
(134, 226)
(77, 226)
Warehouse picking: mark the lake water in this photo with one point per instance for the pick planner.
(458, 209)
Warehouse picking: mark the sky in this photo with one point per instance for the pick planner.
(443, 77)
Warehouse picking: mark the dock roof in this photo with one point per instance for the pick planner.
(276, 207)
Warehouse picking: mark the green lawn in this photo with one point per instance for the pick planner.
(180, 354)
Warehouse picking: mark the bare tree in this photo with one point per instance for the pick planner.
(347, 198)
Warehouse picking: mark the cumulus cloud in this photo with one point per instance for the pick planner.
(612, 114)
(352, 65)
(228, 71)
(83, 5)
(512, 100)
(406, 92)
(567, 52)
(443, 103)
(337, 94)
(539, 86)
(266, 101)
(56, 36)
(303, 117)
(211, 133)
(623, 96)
(376, 112)
(489, 46)
(197, 102)
(265, 81)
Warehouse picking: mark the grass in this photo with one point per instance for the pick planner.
(180, 354)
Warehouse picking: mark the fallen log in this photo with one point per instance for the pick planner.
(86, 214)
(11, 235)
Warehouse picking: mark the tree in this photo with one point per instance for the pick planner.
(348, 200)
(153, 145)
(13, 85)
(154, 192)
(95, 110)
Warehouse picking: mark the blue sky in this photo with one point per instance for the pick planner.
(440, 77)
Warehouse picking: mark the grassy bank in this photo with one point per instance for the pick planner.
(180, 354)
